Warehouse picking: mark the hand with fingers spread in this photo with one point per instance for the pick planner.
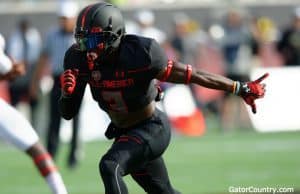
(250, 91)
(68, 81)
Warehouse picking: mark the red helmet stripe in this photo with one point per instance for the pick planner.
(84, 15)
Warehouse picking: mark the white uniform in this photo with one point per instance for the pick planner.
(5, 62)
(14, 127)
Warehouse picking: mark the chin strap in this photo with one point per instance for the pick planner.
(91, 57)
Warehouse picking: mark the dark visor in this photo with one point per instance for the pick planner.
(90, 41)
(87, 41)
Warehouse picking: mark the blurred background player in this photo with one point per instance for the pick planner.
(179, 35)
(24, 45)
(264, 37)
(15, 129)
(235, 47)
(145, 20)
(58, 40)
(289, 43)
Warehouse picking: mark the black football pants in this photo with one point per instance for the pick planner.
(137, 151)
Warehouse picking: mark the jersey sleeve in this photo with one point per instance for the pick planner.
(69, 105)
(70, 57)
(158, 59)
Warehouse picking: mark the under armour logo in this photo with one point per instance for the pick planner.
(96, 75)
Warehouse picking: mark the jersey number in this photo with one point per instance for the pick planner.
(115, 101)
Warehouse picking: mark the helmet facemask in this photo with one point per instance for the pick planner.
(103, 40)
(97, 44)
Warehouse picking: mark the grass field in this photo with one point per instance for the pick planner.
(209, 164)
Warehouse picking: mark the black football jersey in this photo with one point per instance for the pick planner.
(127, 85)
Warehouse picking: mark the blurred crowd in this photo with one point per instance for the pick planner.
(231, 46)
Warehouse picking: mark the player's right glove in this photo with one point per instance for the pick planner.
(68, 81)
(250, 91)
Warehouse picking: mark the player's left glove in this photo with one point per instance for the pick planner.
(250, 91)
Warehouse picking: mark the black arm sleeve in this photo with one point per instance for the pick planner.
(69, 105)
(158, 59)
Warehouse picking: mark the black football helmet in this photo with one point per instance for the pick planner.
(99, 27)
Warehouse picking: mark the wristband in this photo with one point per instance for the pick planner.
(188, 73)
(168, 70)
(236, 87)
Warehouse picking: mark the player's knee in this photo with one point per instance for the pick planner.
(109, 167)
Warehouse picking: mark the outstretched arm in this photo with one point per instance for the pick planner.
(181, 73)
(177, 72)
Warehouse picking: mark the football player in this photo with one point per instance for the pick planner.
(16, 129)
(121, 71)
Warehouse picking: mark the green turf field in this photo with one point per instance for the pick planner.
(209, 164)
